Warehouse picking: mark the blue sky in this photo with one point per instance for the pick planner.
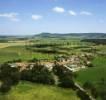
(26, 17)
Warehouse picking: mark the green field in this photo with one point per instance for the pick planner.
(48, 50)
(94, 74)
(29, 91)
(19, 52)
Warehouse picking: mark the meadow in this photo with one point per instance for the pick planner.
(94, 74)
(30, 91)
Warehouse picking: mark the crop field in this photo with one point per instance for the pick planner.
(19, 52)
(11, 43)
(40, 49)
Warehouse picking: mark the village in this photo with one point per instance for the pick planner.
(73, 63)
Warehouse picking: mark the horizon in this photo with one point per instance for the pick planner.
(21, 17)
(19, 35)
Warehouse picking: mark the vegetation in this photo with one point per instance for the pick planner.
(40, 48)
(52, 47)
(30, 91)
(9, 76)
(96, 41)
(95, 73)
(65, 76)
(93, 79)
(37, 74)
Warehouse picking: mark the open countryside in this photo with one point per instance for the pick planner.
(52, 50)
(84, 59)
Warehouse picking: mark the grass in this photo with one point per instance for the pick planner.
(94, 74)
(16, 50)
(29, 91)
(7, 44)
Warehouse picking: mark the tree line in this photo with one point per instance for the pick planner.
(10, 76)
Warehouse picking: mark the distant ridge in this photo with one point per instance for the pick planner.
(59, 35)
(73, 35)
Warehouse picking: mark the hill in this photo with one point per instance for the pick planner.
(72, 35)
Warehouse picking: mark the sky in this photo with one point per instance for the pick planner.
(27, 17)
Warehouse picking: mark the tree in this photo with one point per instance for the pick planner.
(83, 95)
(4, 88)
(94, 92)
(91, 87)
(88, 85)
(38, 74)
(65, 76)
(8, 76)
(66, 82)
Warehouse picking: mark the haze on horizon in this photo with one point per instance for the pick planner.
(26, 17)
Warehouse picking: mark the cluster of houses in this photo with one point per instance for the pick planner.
(73, 63)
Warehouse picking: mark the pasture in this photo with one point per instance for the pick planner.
(94, 74)
(30, 91)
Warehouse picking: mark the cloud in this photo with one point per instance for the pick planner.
(72, 13)
(86, 13)
(10, 16)
(37, 17)
(59, 9)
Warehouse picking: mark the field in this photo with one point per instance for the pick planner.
(48, 49)
(40, 49)
(94, 74)
(29, 91)
(19, 52)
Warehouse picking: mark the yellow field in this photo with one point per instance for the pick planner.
(17, 43)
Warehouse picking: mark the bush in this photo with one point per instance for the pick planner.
(4, 88)
(83, 95)
(88, 85)
(14, 61)
(94, 92)
(90, 65)
(92, 88)
(66, 82)
(34, 60)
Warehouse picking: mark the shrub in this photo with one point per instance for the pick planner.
(92, 88)
(4, 88)
(88, 85)
(66, 82)
(83, 95)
